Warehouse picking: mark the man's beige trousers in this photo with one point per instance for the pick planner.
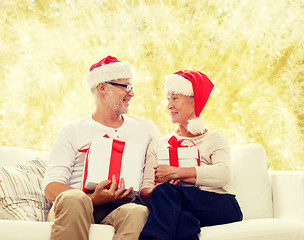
(72, 214)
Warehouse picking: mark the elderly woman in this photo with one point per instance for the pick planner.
(178, 211)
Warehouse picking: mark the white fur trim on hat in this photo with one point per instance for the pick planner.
(196, 126)
(109, 72)
(179, 85)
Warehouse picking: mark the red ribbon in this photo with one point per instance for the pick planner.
(116, 160)
(173, 154)
(85, 173)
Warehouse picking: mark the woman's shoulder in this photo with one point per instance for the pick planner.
(216, 138)
(210, 136)
(215, 134)
(207, 135)
(163, 137)
(161, 141)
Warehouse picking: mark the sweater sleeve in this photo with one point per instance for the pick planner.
(62, 157)
(151, 161)
(153, 131)
(216, 170)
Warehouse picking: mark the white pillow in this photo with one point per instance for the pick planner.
(251, 181)
(21, 194)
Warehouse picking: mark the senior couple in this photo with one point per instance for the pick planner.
(165, 208)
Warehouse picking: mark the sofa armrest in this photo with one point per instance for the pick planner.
(288, 194)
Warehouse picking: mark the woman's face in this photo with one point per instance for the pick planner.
(181, 108)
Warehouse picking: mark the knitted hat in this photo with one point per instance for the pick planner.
(108, 69)
(191, 83)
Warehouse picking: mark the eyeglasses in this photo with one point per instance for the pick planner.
(127, 86)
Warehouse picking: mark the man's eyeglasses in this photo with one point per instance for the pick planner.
(127, 86)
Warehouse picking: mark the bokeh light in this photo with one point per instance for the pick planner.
(252, 50)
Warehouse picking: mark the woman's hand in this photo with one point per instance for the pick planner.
(164, 173)
(176, 182)
(145, 193)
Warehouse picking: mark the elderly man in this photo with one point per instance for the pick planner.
(73, 210)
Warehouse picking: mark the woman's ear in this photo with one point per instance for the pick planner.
(192, 99)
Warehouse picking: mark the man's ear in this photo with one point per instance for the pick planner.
(101, 88)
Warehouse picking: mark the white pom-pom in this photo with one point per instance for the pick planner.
(196, 126)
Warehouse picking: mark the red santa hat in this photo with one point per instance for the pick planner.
(108, 69)
(191, 83)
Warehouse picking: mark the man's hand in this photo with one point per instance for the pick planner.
(103, 195)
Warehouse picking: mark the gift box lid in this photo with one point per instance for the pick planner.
(183, 153)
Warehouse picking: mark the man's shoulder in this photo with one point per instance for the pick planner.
(79, 121)
(137, 120)
(76, 124)
(141, 125)
(134, 118)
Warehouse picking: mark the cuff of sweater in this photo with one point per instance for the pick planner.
(198, 178)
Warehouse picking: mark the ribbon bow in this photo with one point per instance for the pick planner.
(173, 154)
(175, 143)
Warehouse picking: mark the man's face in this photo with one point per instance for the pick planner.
(117, 97)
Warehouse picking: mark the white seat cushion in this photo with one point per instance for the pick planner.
(251, 181)
(15, 230)
(255, 229)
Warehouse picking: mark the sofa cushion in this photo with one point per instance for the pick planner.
(255, 229)
(251, 180)
(29, 230)
(21, 194)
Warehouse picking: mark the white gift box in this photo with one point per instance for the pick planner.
(187, 157)
(102, 161)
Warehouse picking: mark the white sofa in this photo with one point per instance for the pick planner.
(272, 201)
